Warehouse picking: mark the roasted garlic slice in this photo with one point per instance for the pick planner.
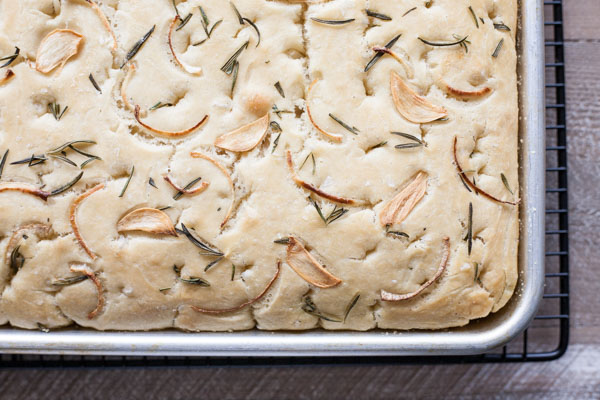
(307, 267)
(403, 203)
(246, 137)
(412, 106)
(148, 220)
(56, 48)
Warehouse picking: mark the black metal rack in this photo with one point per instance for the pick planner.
(548, 335)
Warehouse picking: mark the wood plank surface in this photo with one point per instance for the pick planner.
(574, 376)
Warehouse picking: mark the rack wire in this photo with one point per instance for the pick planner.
(548, 335)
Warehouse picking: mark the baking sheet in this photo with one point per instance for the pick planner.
(477, 337)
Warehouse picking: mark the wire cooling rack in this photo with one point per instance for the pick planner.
(548, 335)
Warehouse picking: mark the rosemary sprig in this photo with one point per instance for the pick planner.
(127, 182)
(70, 145)
(501, 27)
(66, 186)
(54, 108)
(205, 25)
(498, 48)
(351, 129)
(184, 21)
(334, 215)
(332, 21)
(282, 241)
(17, 260)
(198, 242)
(228, 67)
(350, 306)
(31, 161)
(443, 44)
(505, 182)
(409, 11)
(160, 104)
(212, 264)
(279, 89)
(178, 195)
(71, 280)
(474, 16)
(96, 86)
(309, 307)
(470, 229)
(193, 280)
(378, 145)
(4, 157)
(9, 59)
(314, 163)
(136, 47)
(152, 183)
(377, 15)
(380, 54)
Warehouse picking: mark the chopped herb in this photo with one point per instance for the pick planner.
(282, 241)
(380, 144)
(164, 289)
(409, 11)
(192, 280)
(418, 141)
(333, 22)
(232, 271)
(67, 186)
(70, 145)
(236, 69)
(397, 234)
(470, 229)
(444, 44)
(252, 24)
(95, 83)
(498, 48)
(9, 59)
(280, 89)
(275, 127)
(407, 146)
(276, 143)
(310, 308)
(278, 112)
(212, 264)
(377, 15)
(505, 181)
(178, 195)
(17, 260)
(3, 162)
(160, 104)
(152, 183)
(351, 305)
(237, 13)
(228, 67)
(54, 108)
(474, 17)
(476, 272)
(31, 161)
(464, 183)
(380, 54)
(136, 47)
(334, 215)
(71, 280)
(165, 208)
(313, 162)
(349, 128)
(184, 21)
(128, 180)
(175, 7)
(501, 27)
(198, 242)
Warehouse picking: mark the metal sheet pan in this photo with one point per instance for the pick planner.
(477, 337)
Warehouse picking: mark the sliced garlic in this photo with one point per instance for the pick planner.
(307, 267)
(92, 276)
(412, 106)
(387, 296)
(24, 188)
(73, 218)
(403, 203)
(7, 76)
(335, 138)
(148, 220)
(464, 93)
(40, 230)
(136, 114)
(56, 48)
(104, 22)
(245, 138)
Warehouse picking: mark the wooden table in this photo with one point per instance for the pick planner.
(575, 375)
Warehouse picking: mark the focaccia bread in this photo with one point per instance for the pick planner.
(207, 166)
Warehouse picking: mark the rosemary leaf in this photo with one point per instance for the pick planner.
(160, 104)
(55, 110)
(377, 15)
(279, 89)
(443, 44)
(306, 159)
(164, 289)
(63, 159)
(178, 195)
(409, 11)
(407, 146)
(95, 84)
(175, 7)
(310, 308)
(498, 48)
(128, 180)
(474, 16)
(318, 208)
(192, 280)
(136, 47)
(380, 54)
(71, 280)
(464, 183)
(336, 214)
(228, 67)
(67, 186)
(214, 26)
(505, 182)
(232, 271)
(71, 145)
(31, 161)
(351, 129)
(212, 264)
(397, 234)
(252, 24)
(198, 242)
(470, 229)
(236, 69)
(476, 272)
(501, 27)
(276, 142)
(237, 13)
(380, 144)
(184, 21)
(408, 136)
(332, 21)
(11, 58)
(351, 305)
(282, 241)
(152, 183)
(4, 157)
(17, 260)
